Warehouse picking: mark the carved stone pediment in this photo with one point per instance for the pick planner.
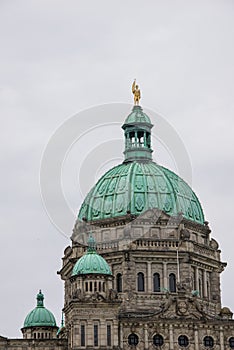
(180, 306)
(183, 306)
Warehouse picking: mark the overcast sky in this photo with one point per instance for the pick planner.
(61, 57)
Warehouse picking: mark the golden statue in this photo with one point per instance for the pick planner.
(136, 92)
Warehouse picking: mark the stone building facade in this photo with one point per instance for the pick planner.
(142, 271)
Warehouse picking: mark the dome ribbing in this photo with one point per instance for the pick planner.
(137, 187)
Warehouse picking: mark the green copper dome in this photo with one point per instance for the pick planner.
(137, 116)
(91, 262)
(139, 186)
(139, 183)
(40, 316)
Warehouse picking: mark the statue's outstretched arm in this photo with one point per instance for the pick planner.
(133, 86)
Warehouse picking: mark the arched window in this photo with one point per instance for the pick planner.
(108, 335)
(231, 342)
(158, 340)
(156, 282)
(140, 282)
(133, 339)
(82, 335)
(95, 335)
(172, 283)
(208, 341)
(119, 282)
(183, 341)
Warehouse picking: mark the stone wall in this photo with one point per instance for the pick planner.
(31, 344)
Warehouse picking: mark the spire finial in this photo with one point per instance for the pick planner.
(40, 299)
(62, 325)
(136, 92)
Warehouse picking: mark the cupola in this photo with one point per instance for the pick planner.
(40, 322)
(137, 130)
(91, 275)
(91, 262)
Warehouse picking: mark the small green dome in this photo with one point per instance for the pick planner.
(40, 316)
(137, 187)
(137, 116)
(91, 262)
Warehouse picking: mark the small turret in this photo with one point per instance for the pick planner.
(40, 322)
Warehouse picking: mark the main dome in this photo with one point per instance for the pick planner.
(139, 184)
(137, 187)
(40, 316)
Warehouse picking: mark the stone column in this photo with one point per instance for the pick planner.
(90, 334)
(221, 339)
(121, 336)
(114, 335)
(204, 284)
(197, 279)
(171, 346)
(102, 334)
(146, 336)
(165, 277)
(149, 277)
(215, 287)
(75, 336)
(196, 339)
(71, 332)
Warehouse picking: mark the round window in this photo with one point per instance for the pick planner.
(158, 340)
(183, 341)
(133, 339)
(231, 342)
(208, 342)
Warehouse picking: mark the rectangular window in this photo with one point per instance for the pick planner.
(95, 331)
(82, 335)
(108, 334)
